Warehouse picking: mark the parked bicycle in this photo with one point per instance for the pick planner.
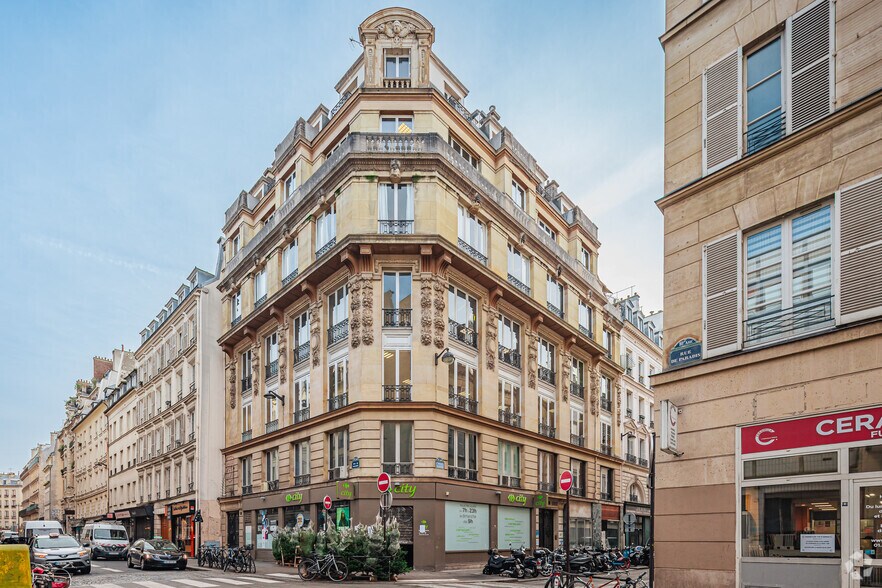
(239, 559)
(328, 566)
(49, 577)
(211, 556)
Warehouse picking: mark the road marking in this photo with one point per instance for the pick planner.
(263, 580)
(114, 570)
(229, 581)
(149, 584)
(194, 583)
(431, 580)
(281, 575)
(105, 586)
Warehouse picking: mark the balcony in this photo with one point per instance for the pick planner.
(338, 473)
(338, 402)
(396, 83)
(780, 324)
(272, 485)
(462, 474)
(510, 481)
(510, 357)
(461, 402)
(246, 384)
(554, 309)
(630, 458)
(396, 227)
(606, 495)
(577, 390)
(246, 435)
(546, 374)
(518, 284)
(235, 321)
(289, 278)
(192, 387)
(586, 331)
(326, 247)
(473, 252)
(271, 370)
(301, 480)
(396, 317)
(577, 440)
(398, 469)
(577, 491)
(509, 418)
(301, 353)
(260, 301)
(301, 415)
(396, 393)
(192, 437)
(606, 403)
(462, 333)
(246, 490)
(643, 462)
(547, 430)
(547, 487)
(766, 131)
(272, 426)
(605, 449)
(338, 332)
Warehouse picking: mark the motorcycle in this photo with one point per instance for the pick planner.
(530, 563)
(498, 565)
(545, 560)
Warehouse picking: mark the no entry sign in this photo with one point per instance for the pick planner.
(327, 503)
(384, 482)
(566, 480)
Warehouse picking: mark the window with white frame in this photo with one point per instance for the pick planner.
(271, 409)
(577, 426)
(577, 378)
(509, 464)
(509, 333)
(289, 261)
(519, 195)
(271, 465)
(472, 232)
(396, 375)
(546, 355)
(765, 95)
(554, 292)
(462, 454)
(398, 448)
(301, 337)
(290, 184)
(338, 306)
(338, 383)
(545, 228)
(509, 403)
(396, 124)
(245, 370)
(244, 466)
(326, 228)
(462, 314)
(586, 319)
(547, 420)
(301, 460)
(519, 269)
(236, 243)
(246, 417)
(338, 449)
(585, 258)
(547, 471)
(397, 291)
(259, 286)
(463, 382)
(397, 66)
(272, 355)
(395, 209)
(236, 306)
(465, 153)
(606, 437)
(300, 405)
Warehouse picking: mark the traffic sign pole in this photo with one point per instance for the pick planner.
(384, 485)
(566, 483)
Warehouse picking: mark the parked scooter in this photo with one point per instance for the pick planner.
(498, 565)
(530, 563)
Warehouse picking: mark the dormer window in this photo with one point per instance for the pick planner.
(397, 66)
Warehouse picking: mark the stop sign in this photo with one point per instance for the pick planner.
(566, 480)
(327, 503)
(384, 482)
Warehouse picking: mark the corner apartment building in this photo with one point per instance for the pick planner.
(89, 428)
(10, 501)
(641, 341)
(406, 290)
(177, 421)
(773, 252)
(31, 478)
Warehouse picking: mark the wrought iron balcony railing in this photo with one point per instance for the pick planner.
(510, 356)
(472, 251)
(396, 227)
(301, 480)
(801, 318)
(190, 486)
(547, 486)
(260, 301)
(246, 435)
(398, 469)
(246, 383)
(606, 403)
(326, 247)
(272, 426)
(236, 320)
(641, 418)
(290, 277)
(509, 418)
(586, 331)
(301, 353)
(643, 462)
(633, 497)
(271, 370)
(554, 309)
(397, 393)
(192, 437)
(462, 333)
(606, 449)
(248, 489)
(396, 317)
(518, 284)
(462, 474)
(177, 491)
(192, 387)
(301, 415)
(605, 495)
(338, 332)
(463, 403)
(577, 440)
(510, 481)
(577, 389)
(272, 485)
(546, 374)
(766, 132)
(577, 491)
(629, 413)
(547, 430)
(338, 402)
(630, 458)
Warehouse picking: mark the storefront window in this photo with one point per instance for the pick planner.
(791, 465)
(865, 459)
(791, 520)
(266, 527)
(581, 532)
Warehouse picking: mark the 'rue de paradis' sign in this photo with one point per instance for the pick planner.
(684, 352)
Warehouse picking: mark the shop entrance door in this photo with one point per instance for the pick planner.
(546, 528)
(866, 534)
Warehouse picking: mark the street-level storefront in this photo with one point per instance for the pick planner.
(138, 521)
(810, 491)
(182, 526)
(642, 522)
(609, 520)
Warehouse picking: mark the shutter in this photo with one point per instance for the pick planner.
(860, 246)
(810, 64)
(721, 298)
(721, 89)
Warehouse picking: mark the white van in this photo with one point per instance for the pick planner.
(107, 540)
(31, 529)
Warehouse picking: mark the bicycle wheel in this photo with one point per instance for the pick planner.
(62, 576)
(306, 569)
(338, 571)
(252, 567)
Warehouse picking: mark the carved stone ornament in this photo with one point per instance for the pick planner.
(566, 368)
(369, 64)
(354, 286)
(595, 387)
(440, 288)
(283, 352)
(491, 346)
(618, 395)
(255, 369)
(532, 358)
(424, 66)
(315, 313)
(231, 367)
(367, 309)
(395, 171)
(426, 309)
(396, 30)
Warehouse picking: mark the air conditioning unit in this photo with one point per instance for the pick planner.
(264, 486)
(343, 471)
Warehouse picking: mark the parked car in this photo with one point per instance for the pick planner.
(60, 551)
(107, 540)
(156, 553)
(31, 529)
(7, 537)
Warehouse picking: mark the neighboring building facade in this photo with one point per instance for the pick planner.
(122, 439)
(773, 252)
(10, 501)
(178, 413)
(51, 496)
(406, 290)
(641, 358)
(31, 477)
(66, 464)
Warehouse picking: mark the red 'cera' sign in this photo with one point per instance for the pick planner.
(829, 429)
(384, 482)
(566, 480)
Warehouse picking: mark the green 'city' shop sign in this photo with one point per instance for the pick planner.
(345, 490)
(540, 501)
(517, 499)
(407, 489)
(295, 497)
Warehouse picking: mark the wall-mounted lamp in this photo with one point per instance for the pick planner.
(272, 394)
(444, 356)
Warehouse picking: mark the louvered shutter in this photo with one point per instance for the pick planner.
(721, 299)
(810, 64)
(721, 104)
(860, 246)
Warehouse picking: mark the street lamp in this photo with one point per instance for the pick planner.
(445, 356)
(273, 394)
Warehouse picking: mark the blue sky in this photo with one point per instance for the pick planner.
(127, 128)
